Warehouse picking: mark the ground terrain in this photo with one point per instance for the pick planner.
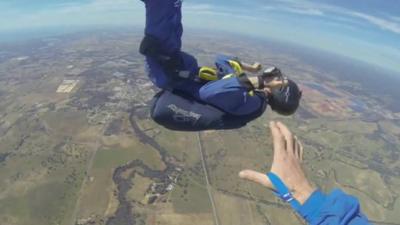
(89, 154)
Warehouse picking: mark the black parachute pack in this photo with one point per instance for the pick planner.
(178, 111)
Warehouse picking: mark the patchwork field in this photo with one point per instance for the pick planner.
(91, 154)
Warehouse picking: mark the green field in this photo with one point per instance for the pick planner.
(58, 155)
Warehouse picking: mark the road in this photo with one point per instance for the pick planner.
(203, 162)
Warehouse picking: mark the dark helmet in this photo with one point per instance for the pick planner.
(285, 100)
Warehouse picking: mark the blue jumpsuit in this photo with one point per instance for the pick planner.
(163, 21)
(334, 208)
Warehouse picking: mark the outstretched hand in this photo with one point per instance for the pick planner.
(275, 83)
(288, 156)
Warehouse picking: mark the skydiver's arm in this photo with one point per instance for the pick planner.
(228, 65)
(231, 95)
(289, 181)
(335, 208)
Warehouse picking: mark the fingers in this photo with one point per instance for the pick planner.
(267, 91)
(285, 142)
(298, 151)
(285, 82)
(278, 141)
(251, 68)
(275, 84)
(301, 151)
(256, 177)
(295, 147)
(289, 138)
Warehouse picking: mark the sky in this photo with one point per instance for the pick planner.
(367, 30)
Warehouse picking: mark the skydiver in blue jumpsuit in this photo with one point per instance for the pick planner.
(190, 100)
(237, 99)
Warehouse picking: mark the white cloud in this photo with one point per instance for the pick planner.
(391, 24)
(269, 8)
(100, 6)
(113, 12)
(308, 11)
(296, 10)
(191, 6)
(96, 12)
(224, 14)
(382, 23)
(211, 10)
(396, 18)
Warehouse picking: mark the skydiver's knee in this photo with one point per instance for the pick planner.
(189, 62)
(216, 89)
(205, 93)
(150, 46)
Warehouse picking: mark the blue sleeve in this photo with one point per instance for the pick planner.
(231, 96)
(335, 208)
(223, 66)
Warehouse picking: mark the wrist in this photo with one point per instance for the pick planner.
(250, 83)
(303, 194)
(312, 207)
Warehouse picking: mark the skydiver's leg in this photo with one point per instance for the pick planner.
(164, 26)
(173, 79)
(232, 96)
(166, 64)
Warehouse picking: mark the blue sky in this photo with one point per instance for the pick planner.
(367, 30)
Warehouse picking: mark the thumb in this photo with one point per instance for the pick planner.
(256, 177)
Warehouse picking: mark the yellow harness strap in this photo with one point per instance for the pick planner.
(208, 73)
(236, 66)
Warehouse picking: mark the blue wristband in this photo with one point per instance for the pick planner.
(282, 191)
